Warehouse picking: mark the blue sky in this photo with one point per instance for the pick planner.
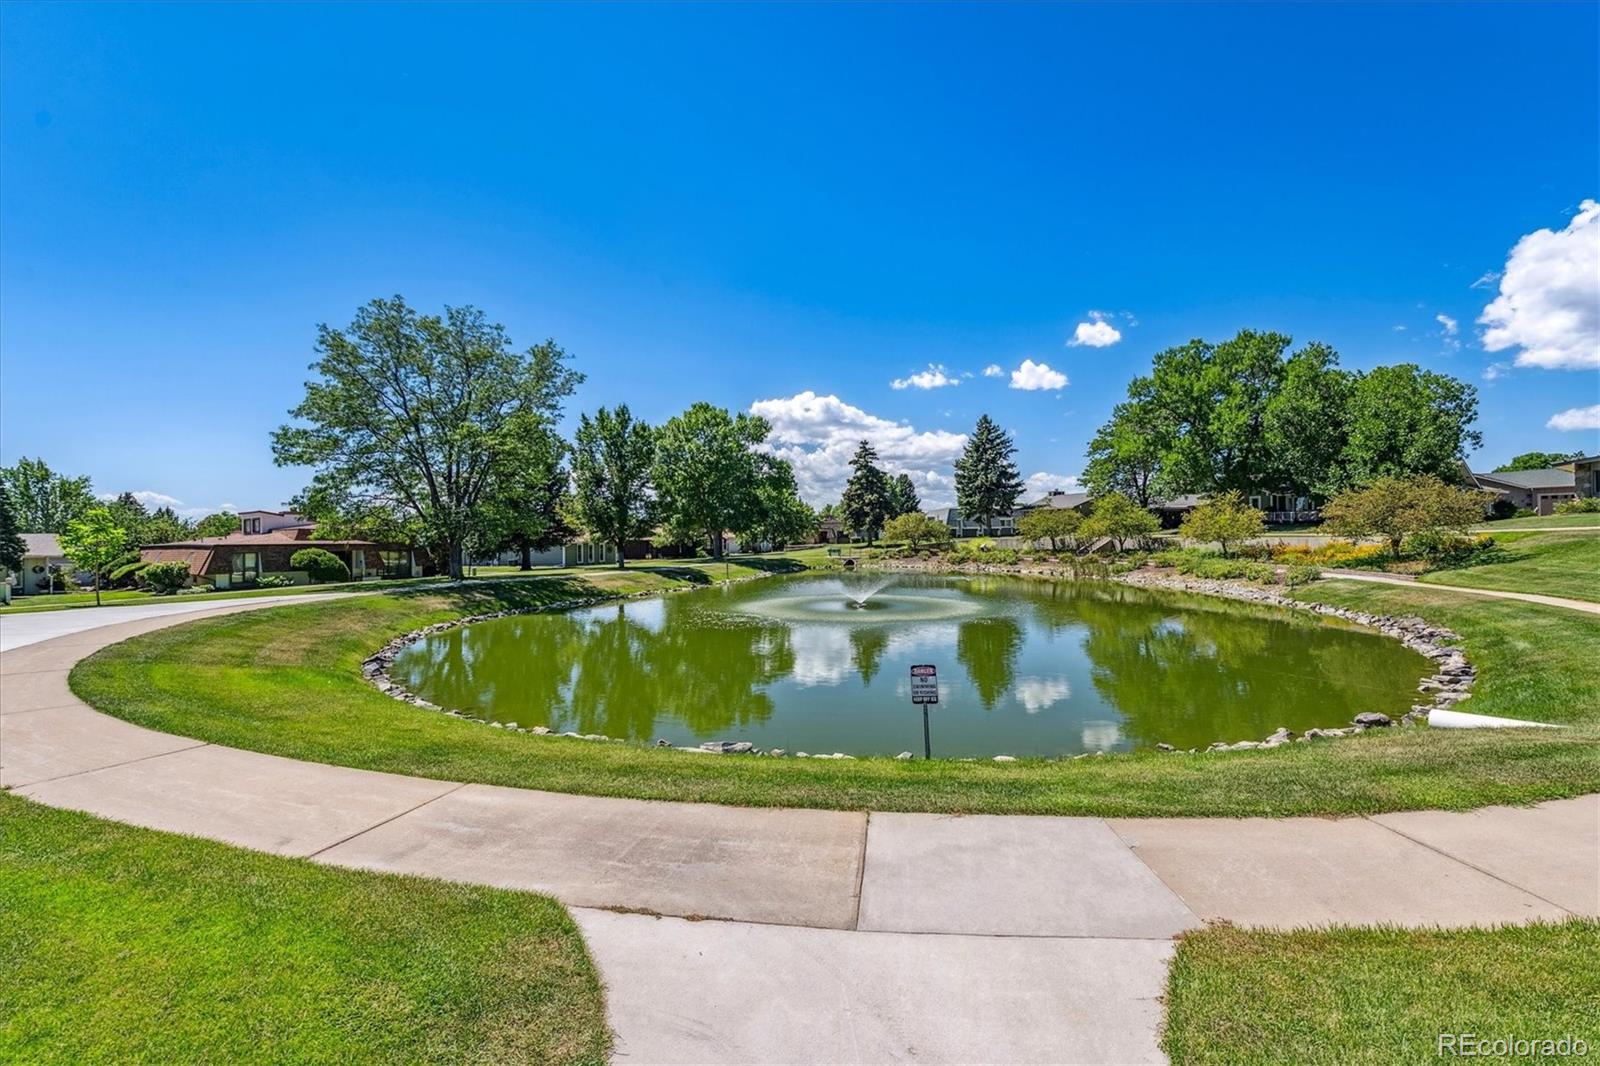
(747, 204)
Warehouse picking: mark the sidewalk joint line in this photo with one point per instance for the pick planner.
(1472, 866)
(118, 765)
(861, 872)
(378, 825)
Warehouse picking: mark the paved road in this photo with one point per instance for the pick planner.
(23, 627)
(1494, 594)
(729, 934)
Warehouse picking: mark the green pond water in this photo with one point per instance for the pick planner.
(821, 664)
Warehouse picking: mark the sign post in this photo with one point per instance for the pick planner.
(924, 691)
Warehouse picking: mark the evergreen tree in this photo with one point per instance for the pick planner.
(866, 495)
(987, 481)
(903, 496)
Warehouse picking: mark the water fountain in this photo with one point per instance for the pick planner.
(859, 603)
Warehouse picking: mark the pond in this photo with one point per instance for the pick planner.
(821, 664)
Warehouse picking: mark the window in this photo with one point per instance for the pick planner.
(395, 563)
(246, 566)
(250, 525)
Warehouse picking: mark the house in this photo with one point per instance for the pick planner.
(265, 542)
(831, 531)
(581, 552)
(999, 526)
(1172, 511)
(1284, 506)
(1056, 500)
(1585, 475)
(1537, 490)
(41, 554)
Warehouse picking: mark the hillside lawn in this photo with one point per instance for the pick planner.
(129, 945)
(1555, 564)
(286, 680)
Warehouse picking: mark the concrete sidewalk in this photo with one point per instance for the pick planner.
(1494, 594)
(834, 936)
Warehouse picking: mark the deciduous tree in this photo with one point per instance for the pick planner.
(1128, 453)
(915, 529)
(1119, 518)
(1397, 508)
(93, 542)
(12, 547)
(705, 472)
(1225, 519)
(217, 525)
(1536, 461)
(45, 501)
(1058, 525)
(987, 481)
(1406, 422)
(420, 414)
(614, 496)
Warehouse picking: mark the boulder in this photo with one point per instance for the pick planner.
(1372, 719)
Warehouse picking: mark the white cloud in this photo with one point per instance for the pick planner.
(993, 370)
(1095, 333)
(932, 378)
(1575, 418)
(154, 500)
(1033, 376)
(1450, 326)
(819, 434)
(1485, 280)
(1549, 302)
(1495, 370)
(1399, 329)
(1036, 485)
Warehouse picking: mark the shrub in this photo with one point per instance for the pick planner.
(1295, 576)
(165, 578)
(274, 581)
(1583, 505)
(916, 529)
(1445, 549)
(1334, 554)
(1502, 508)
(322, 565)
(1226, 519)
(126, 574)
(1395, 508)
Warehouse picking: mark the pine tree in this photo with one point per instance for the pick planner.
(987, 481)
(903, 496)
(866, 494)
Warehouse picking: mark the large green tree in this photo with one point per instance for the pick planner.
(1306, 423)
(866, 501)
(45, 501)
(903, 498)
(614, 496)
(706, 471)
(778, 516)
(987, 480)
(526, 504)
(423, 415)
(219, 524)
(1128, 452)
(1408, 422)
(12, 547)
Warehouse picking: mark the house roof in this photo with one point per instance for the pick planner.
(273, 538)
(1180, 503)
(1060, 501)
(1551, 478)
(44, 544)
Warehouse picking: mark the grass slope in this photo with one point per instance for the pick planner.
(1378, 995)
(1554, 521)
(128, 945)
(286, 681)
(1555, 564)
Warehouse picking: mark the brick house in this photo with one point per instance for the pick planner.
(265, 542)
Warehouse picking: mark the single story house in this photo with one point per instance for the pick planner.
(1056, 500)
(581, 552)
(41, 552)
(265, 542)
(831, 531)
(1537, 490)
(1585, 475)
(1001, 525)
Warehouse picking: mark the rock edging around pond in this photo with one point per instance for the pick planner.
(1451, 683)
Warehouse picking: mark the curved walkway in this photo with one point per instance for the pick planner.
(1494, 594)
(736, 934)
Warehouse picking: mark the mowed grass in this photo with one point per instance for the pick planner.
(128, 945)
(287, 681)
(1555, 564)
(1378, 995)
(1555, 521)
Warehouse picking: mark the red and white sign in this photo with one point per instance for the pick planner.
(924, 684)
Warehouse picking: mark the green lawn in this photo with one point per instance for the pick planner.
(286, 681)
(1555, 564)
(127, 945)
(1556, 521)
(1378, 995)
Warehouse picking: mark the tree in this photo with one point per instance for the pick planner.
(1537, 461)
(1396, 508)
(217, 525)
(778, 515)
(321, 565)
(614, 497)
(164, 527)
(705, 472)
(1306, 423)
(1225, 518)
(45, 501)
(1058, 525)
(1126, 454)
(12, 547)
(129, 512)
(902, 496)
(1119, 518)
(987, 482)
(421, 414)
(1407, 422)
(865, 504)
(915, 529)
(93, 542)
(526, 503)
